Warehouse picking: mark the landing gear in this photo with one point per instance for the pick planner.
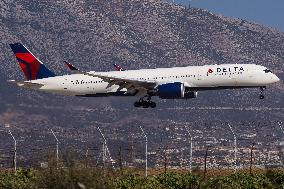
(145, 103)
(153, 105)
(137, 104)
(261, 96)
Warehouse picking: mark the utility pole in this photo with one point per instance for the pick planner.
(165, 159)
(57, 148)
(146, 152)
(15, 148)
(120, 160)
(235, 147)
(190, 152)
(205, 163)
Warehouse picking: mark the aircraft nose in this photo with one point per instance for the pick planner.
(275, 79)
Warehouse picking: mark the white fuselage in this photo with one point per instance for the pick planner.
(196, 77)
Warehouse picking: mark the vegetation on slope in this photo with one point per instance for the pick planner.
(81, 177)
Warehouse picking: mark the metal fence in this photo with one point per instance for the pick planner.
(197, 146)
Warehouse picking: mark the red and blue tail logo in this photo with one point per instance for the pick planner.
(31, 66)
(118, 67)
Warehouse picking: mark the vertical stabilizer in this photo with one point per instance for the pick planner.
(31, 66)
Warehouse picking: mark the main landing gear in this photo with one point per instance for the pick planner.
(261, 96)
(145, 103)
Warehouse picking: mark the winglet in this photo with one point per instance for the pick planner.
(70, 66)
(118, 67)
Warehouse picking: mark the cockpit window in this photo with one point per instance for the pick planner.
(267, 71)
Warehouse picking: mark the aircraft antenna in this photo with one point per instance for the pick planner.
(191, 146)
(15, 148)
(146, 151)
(57, 147)
(235, 147)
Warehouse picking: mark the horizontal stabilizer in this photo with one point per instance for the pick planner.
(26, 84)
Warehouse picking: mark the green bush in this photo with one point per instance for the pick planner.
(239, 181)
(178, 181)
(276, 177)
(71, 178)
(24, 179)
(79, 177)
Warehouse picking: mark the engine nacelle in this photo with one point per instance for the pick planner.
(171, 90)
(174, 91)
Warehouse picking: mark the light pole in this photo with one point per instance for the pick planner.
(57, 147)
(235, 147)
(15, 148)
(146, 152)
(281, 128)
(190, 152)
(105, 149)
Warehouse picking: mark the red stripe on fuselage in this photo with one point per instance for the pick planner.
(32, 61)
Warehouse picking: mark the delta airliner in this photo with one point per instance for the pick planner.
(166, 83)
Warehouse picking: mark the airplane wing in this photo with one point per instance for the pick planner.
(26, 84)
(141, 86)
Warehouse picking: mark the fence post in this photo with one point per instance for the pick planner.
(251, 159)
(205, 163)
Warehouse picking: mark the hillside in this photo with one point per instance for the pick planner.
(136, 34)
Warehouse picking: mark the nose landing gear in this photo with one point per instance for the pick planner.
(261, 96)
(145, 103)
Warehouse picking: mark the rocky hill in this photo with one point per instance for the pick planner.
(136, 34)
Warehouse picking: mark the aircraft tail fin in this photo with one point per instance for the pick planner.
(31, 66)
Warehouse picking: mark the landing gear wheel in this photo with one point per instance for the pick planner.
(152, 104)
(261, 96)
(137, 104)
(145, 105)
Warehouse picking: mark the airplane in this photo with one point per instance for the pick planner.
(165, 83)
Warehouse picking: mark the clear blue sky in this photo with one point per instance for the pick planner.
(265, 12)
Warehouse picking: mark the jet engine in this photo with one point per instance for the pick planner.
(174, 91)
